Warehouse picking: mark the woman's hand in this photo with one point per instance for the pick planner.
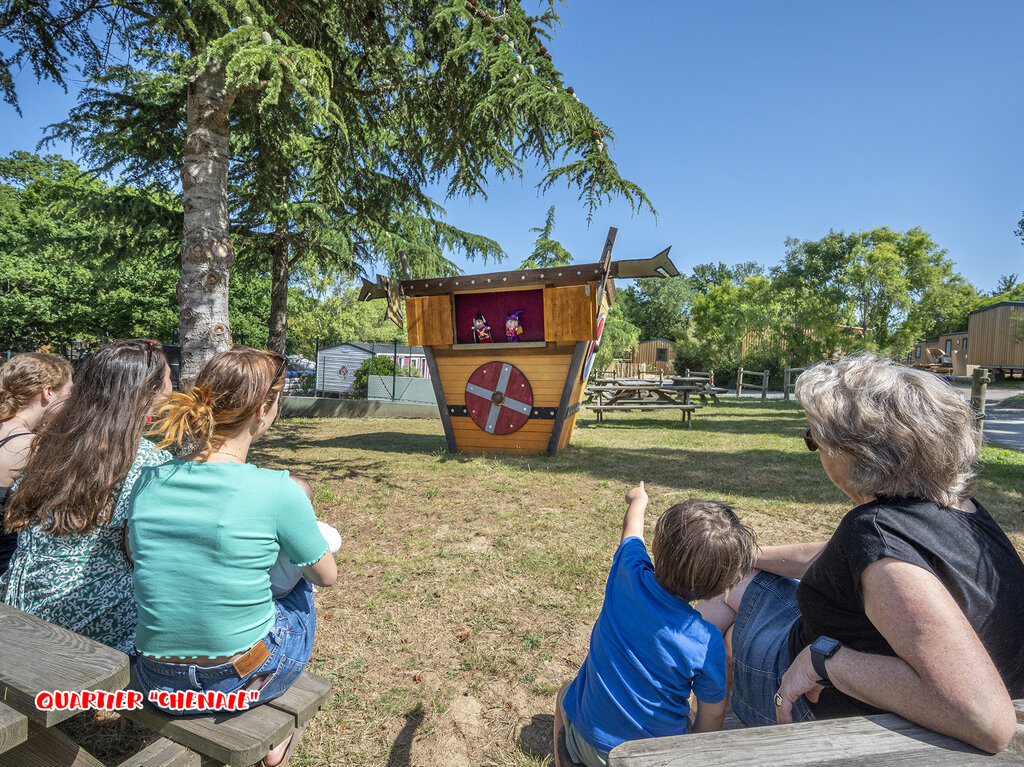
(800, 679)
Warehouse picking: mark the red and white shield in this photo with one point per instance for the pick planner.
(499, 398)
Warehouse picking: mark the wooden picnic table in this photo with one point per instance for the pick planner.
(639, 394)
(872, 741)
(37, 656)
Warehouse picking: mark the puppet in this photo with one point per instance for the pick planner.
(481, 330)
(513, 327)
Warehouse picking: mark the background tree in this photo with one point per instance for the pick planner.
(547, 252)
(414, 91)
(657, 307)
(57, 225)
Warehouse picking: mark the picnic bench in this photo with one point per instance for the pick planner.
(639, 394)
(38, 656)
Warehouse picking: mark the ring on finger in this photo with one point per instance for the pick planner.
(778, 701)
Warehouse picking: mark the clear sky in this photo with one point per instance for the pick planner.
(749, 122)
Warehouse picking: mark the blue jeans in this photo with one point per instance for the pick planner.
(760, 650)
(290, 642)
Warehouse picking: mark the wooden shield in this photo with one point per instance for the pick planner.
(499, 398)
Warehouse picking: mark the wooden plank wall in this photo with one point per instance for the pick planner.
(430, 320)
(570, 313)
(546, 370)
(957, 340)
(992, 337)
(646, 354)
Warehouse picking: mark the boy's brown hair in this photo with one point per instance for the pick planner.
(701, 549)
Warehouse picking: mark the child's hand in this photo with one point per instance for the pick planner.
(637, 494)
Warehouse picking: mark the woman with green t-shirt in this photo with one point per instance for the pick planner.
(204, 532)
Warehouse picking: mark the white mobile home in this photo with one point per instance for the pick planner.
(336, 366)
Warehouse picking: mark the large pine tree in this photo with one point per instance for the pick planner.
(395, 95)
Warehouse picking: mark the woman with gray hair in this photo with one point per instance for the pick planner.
(916, 603)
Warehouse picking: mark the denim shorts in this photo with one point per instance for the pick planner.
(760, 650)
(290, 642)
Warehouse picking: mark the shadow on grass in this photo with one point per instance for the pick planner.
(536, 738)
(401, 749)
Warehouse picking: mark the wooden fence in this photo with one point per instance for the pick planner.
(764, 381)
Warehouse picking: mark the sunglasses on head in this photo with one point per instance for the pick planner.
(150, 345)
(809, 440)
(280, 370)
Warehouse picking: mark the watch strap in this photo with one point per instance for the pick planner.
(818, 658)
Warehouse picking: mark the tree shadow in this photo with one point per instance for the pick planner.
(401, 749)
(535, 738)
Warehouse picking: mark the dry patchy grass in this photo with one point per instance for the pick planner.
(468, 586)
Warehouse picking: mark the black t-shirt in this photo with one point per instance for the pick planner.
(968, 553)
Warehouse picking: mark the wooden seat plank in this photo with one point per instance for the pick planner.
(163, 753)
(48, 748)
(882, 739)
(304, 698)
(37, 656)
(13, 728)
(238, 739)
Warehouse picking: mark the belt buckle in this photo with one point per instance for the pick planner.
(252, 660)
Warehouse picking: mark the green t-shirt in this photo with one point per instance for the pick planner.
(204, 537)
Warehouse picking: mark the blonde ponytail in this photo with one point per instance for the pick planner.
(185, 417)
(229, 390)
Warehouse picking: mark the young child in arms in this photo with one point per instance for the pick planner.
(649, 648)
(284, 575)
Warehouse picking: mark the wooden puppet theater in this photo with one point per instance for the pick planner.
(510, 352)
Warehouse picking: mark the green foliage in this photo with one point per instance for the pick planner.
(60, 282)
(618, 339)
(327, 309)
(656, 306)
(379, 366)
(546, 251)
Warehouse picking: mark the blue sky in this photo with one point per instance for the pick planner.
(750, 122)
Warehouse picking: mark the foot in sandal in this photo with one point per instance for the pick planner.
(280, 754)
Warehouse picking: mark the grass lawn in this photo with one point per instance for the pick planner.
(468, 586)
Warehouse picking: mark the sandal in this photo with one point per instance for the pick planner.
(292, 743)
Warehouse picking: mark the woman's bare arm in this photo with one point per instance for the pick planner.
(943, 678)
(790, 560)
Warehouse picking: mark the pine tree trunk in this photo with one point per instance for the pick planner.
(207, 254)
(279, 297)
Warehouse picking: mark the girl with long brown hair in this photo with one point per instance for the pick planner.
(33, 388)
(205, 531)
(69, 506)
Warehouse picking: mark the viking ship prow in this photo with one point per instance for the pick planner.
(509, 353)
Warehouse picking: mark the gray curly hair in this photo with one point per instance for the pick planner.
(906, 432)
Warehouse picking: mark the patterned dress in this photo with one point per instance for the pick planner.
(82, 582)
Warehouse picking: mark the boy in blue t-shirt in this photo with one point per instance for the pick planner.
(649, 648)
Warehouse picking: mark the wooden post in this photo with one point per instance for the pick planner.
(785, 383)
(739, 382)
(979, 388)
(764, 386)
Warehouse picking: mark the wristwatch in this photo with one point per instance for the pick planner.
(823, 649)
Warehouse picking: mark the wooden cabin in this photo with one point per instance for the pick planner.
(997, 338)
(653, 356)
(519, 390)
(951, 342)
